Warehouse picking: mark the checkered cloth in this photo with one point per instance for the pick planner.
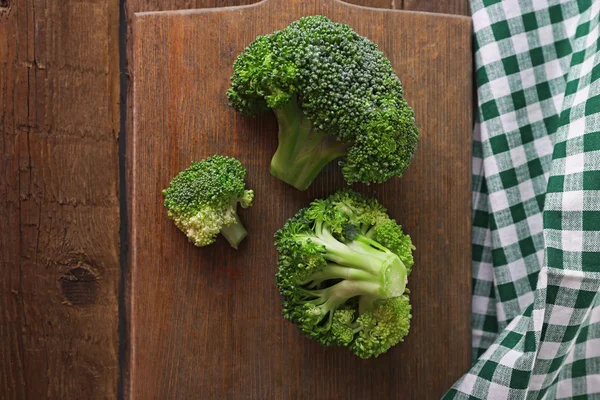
(536, 200)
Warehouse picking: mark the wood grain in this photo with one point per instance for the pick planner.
(59, 212)
(134, 6)
(459, 7)
(206, 322)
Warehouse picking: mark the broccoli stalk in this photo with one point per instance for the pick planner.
(374, 270)
(302, 152)
(234, 233)
(343, 267)
(365, 268)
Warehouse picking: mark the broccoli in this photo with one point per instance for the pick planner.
(334, 94)
(202, 200)
(342, 274)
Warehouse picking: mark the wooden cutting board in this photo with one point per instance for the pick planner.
(206, 323)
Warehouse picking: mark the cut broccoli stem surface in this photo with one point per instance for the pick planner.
(235, 232)
(302, 152)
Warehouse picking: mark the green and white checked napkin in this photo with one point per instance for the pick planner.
(536, 198)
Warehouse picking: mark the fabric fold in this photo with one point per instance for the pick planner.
(536, 191)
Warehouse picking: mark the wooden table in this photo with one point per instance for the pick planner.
(63, 118)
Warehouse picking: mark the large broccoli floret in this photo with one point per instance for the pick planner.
(203, 199)
(342, 274)
(334, 94)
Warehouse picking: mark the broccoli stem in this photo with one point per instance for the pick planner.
(302, 152)
(330, 299)
(366, 304)
(336, 271)
(351, 255)
(235, 232)
(361, 261)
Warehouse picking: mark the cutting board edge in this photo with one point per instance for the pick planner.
(147, 14)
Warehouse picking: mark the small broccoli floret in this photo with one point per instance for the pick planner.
(334, 94)
(203, 199)
(342, 274)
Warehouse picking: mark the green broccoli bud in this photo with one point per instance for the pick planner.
(334, 94)
(338, 279)
(386, 323)
(202, 200)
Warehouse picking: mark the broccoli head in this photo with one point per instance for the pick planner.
(334, 94)
(342, 274)
(203, 199)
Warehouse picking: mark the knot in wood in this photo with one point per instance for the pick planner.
(79, 285)
(4, 9)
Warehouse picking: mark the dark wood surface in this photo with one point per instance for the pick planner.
(206, 322)
(458, 7)
(59, 210)
(59, 243)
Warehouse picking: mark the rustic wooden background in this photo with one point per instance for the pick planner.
(63, 81)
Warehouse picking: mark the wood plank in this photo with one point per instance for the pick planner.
(208, 320)
(458, 7)
(391, 4)
(59, 237)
